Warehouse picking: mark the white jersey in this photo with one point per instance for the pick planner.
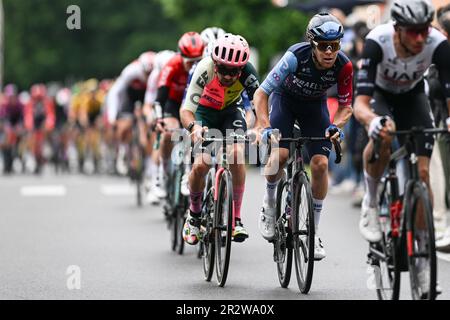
(134, 76)
(399, 75)
(161, 60)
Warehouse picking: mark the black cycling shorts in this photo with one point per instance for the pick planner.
(172, 109)
(129, 102)
(408, 110)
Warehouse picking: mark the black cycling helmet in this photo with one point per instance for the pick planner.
(324, 27)
(412, 12)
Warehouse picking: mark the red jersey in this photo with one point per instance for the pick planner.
(174, 77)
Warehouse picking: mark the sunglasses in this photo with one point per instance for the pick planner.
(414, 32)
(325, 46)
(191, 60)
(227, 71)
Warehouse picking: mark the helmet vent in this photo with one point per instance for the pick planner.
(230, 55)
(238, 55)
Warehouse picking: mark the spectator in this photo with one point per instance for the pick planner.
(440, 161)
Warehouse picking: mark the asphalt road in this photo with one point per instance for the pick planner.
(74, 237)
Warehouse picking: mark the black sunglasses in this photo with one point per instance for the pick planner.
(227, 71)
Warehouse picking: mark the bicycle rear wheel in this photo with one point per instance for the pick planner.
(223, 225)
(206, 245)
(420, 243)
(303, 232)
(283, 234)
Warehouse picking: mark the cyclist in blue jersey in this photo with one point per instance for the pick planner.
(296, 90)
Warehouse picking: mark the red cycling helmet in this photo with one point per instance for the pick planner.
(38, 91)
(231, 50)
(191, 45)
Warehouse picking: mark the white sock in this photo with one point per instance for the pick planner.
(148, 167)
(271, 191)
(317, 206)
(371, 189)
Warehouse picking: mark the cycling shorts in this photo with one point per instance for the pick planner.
(408, 110)
(129, 102)
(312, 116)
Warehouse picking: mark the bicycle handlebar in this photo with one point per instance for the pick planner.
(336, 144)
(415, 131)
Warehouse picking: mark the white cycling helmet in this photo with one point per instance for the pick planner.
(210, 36)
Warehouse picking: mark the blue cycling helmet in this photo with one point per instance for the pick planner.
(324, 27)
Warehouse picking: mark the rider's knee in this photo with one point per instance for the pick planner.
(200, 170)
(424, 174)
(319, 165)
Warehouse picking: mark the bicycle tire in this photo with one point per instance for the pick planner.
(388, 246)
(303, 249)
(223, 225)
(283, 238)
(419, 193)
(179, 207)
(207, 246)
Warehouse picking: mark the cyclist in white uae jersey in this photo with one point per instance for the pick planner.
(390, 88)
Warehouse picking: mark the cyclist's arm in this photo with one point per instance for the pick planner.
(372, 55)
(441, 60)
(345, 95)
(288, 64)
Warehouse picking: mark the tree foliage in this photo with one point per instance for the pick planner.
(40, 48)
(269, 29)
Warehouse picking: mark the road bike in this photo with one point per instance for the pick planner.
(217, 216)
(294, 225)
(408, 242)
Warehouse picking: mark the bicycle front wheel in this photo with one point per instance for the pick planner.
(283, 234)
(223, 227)
(385, 254)
(303, 232)
(420, 243)
(206, 245)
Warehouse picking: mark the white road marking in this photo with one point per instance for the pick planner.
(111, 190)
(43, 191)
(444, 256)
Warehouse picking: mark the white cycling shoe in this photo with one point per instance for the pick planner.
(152, 198)
(369, 224)
(319, 251)
(266, 221)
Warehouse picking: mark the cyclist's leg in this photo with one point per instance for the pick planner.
(373, 171)
(281, 118)
(314, 120)
(234, 122)
(200, 168)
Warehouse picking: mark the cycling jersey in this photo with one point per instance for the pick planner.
(380, 66)
(246, 100)
(133, 79)
(297, 76)
(39, 113)
(161, 59)
(206, 91)
(12, 113)
(172, 81)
